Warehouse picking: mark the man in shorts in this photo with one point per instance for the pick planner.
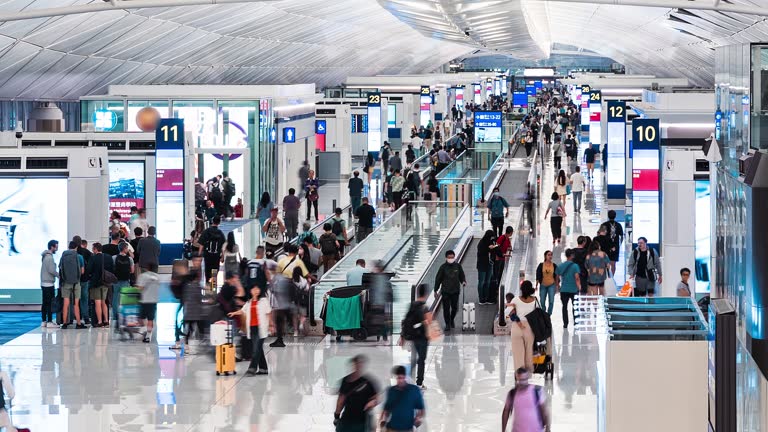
(98, 291)
(71, 267)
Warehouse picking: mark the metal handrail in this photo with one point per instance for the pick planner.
(440, 246)
(452, 163)
(488, 191)
(506, 275)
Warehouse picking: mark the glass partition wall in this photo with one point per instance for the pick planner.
(229, 124)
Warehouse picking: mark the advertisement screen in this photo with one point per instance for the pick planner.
(170, 195)
(645, 194)
(488, 89)
(530, 90)
(478, 97)
(460, 98)
(703, 226)
(497, 87)
(126, 187)
(488, 126)
(425, 102)
(33, 211)
(594, 123)
(616, 155)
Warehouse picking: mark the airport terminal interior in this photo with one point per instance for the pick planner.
(383, 215)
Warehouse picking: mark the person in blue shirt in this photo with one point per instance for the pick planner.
(404, 406)
(499, 208)
(355, 276)
(570, 282)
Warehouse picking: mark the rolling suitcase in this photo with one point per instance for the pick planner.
(225, 353)
(468, 317)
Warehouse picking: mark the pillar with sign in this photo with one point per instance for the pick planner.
(646, 214)
(616, 148)
(595, 113)
(169, 195)
(585, 89)
(374, 123)
(425, 105)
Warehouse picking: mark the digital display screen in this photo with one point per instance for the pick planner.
(530, 90)
(425, 102)
(460, 98)
(392, 115)
(520, 99)
(32, 212)
(488, 126)
(170, 195)
(703, 233)
(126, 187)
(595, 129)
(616, 170)
(645, 194)
(478, 97)
(497, 87)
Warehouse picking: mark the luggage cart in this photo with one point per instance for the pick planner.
(128, 312)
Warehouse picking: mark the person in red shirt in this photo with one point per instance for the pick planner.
(502, 253)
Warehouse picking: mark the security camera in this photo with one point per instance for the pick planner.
(19, 132)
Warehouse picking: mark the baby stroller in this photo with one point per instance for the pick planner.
(344, 311)
(130, 324)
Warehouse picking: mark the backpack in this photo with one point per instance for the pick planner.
(408, 331)
(328, 245)
(337, 228)
(69, 267)
(199, 192)
(497, 206)
(122, 267)
(189, 251)
(229, 187)
(255, 275)
(215, 194)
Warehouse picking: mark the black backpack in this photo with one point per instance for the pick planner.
(408, 331)
(337, 228)
(122, 267)
(69, 267)
(328, 245)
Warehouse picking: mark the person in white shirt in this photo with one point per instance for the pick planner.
(10, 393)
(355, 276)
(577, 188)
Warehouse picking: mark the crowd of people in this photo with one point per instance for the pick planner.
(90, 280)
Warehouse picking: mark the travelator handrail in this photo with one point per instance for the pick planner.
(485, 191)
(313, 228)
(450, 164)
(508, 273)
(436, 256)
(311, 307)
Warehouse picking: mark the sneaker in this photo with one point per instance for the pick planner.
(277, 344)
(64, 326)
(262, 372)
(295, 334)
(175, 347)
(52, 325)
(423, 387)
(80, 326)
(251, 372)
(44, 324)
(145, 340)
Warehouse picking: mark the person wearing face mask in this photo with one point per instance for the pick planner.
(448, 282)
(529, 404)
(498, 206)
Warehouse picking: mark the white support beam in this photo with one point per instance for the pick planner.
(676, 4)
(111, 5)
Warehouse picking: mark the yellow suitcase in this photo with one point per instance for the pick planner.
(225, 359)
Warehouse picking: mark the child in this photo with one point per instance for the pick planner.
(239, 208)
(257, 316)
(149, 284)
(508, 308)
(210, 212)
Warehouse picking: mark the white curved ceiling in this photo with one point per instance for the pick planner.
(325, 41)
(281, 42)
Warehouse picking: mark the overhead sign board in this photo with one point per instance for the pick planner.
(616, 148)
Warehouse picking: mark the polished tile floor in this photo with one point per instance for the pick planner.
(74, 380)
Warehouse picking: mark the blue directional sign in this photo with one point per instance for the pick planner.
(273, 135)
(289, 135)
(320, 127)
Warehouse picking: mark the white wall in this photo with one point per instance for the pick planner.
(290, 156)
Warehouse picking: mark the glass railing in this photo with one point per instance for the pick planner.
(473, 167)
(405, 242)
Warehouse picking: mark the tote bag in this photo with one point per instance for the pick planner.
(540, 322)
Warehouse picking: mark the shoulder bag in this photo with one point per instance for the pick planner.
(540, 322)
(107, 277)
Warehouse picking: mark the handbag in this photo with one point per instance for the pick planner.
(540, 323)
(567, 189)
(107, 277)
